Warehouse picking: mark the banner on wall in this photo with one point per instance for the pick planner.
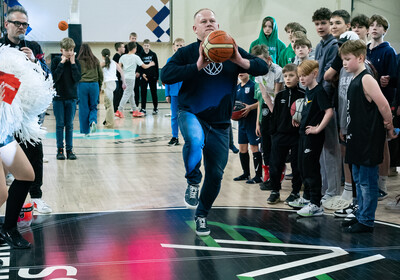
(102, 20)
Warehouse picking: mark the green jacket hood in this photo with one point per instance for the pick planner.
(275, 46)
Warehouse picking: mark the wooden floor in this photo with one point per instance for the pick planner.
(132, 168)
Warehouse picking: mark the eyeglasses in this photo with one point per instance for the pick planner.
(18, 24)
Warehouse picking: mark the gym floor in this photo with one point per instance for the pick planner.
(118, 213)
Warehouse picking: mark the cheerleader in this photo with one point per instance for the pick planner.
(13, 160)
(20, 120)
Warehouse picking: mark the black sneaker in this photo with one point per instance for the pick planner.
(274, 198)
(173, 142)
(242, 177)
(266, 186)
(192, 196)
(234, 149)
(60, 154)
(382, 195)
(143, 111)
(13, 238)
(155, 112)
(71, 155)
(201, 226)
(349, 223)
(358, 228)
(255, 180)
(292, 197)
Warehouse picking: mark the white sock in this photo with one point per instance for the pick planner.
(382, 183)
(347, 193)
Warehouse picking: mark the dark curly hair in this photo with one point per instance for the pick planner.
(322, 14)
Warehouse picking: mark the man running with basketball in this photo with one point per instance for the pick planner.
(205, 107)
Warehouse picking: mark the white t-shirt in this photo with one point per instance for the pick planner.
(273, 76)
(129, 64)
(110, 74)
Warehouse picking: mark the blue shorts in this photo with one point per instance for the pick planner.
(8, 140)
(248, 136)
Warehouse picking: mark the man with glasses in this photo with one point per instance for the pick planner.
(16, 24)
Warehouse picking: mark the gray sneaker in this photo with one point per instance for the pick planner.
(192, 196)
(394, 205)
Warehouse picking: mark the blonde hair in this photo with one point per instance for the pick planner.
(67, 43)
(307, 67)
(355, 47)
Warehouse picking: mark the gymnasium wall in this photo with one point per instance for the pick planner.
(242, 19)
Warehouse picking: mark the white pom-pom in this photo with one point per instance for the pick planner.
(33, 98)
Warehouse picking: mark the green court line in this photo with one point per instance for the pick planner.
(232, 232)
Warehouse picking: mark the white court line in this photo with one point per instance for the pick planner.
(221, 249)
(6, 262)
(256, 243)
(336, 252)
(333, 268)
(288, 265)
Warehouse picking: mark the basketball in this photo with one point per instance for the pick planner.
(296, 109)
(218, 46)
(63, 25)
(237, 110)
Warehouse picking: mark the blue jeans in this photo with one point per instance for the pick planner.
(174, 116)
(64, 111)
(366, 179)
(200, 137)
(88, 99)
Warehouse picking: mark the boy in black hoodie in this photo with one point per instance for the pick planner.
(285, 136)
(149, 77)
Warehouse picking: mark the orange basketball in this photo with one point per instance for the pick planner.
(63, 25)
(219, 46)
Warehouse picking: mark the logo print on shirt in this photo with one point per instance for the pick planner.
(246, 90)
(213, 68)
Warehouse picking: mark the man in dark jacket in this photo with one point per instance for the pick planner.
(205, 107)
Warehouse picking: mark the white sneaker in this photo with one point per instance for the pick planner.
(45, 160)
(299, 203)
(41, 206)
(93, 127)
(351, 216)
(9, 179)
(343, 213)
(311, 210)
